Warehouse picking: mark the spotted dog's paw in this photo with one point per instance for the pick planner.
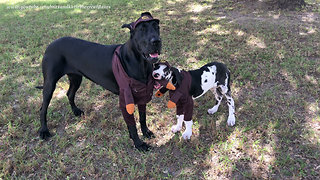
(231, 120)
(213, 110)
(187, 134)
(176, 128)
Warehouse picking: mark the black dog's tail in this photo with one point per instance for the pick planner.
(39, 87)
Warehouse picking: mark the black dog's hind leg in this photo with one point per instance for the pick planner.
(142, 115)
(48, 89)
(52, 68)
(75, 81)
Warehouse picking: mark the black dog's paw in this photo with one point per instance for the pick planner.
(148, 134)
(45, 134)
(143, 147)
(77, 112)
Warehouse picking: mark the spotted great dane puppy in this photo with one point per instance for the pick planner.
(191, 85)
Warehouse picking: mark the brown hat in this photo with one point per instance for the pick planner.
(146, 16)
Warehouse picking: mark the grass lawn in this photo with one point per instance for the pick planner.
(274, 58)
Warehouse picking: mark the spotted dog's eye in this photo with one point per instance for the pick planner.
(156, 67)
(205, 80)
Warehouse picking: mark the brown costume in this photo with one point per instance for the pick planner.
(131, 91)
(182, 98)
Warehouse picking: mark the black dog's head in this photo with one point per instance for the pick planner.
(145, 37)
(163, 71)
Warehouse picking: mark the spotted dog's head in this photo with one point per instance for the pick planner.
(163, 71)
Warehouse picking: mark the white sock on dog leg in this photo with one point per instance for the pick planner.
(231, 117)
(178, 126)
(231, 120)
(188, 132)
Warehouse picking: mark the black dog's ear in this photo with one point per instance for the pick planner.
(177, 76)
(129, 26)
(146, 14)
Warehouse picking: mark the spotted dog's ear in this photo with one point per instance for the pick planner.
(177, 76)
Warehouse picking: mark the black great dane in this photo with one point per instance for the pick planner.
(76, 58)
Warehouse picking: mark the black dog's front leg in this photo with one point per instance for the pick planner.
(142, 115)
(145, 131)
(129, 119)
(140, 145)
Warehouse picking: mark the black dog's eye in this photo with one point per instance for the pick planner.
(156, 27)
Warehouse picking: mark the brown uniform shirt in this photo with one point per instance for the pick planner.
(182, 97)
(132, 91)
